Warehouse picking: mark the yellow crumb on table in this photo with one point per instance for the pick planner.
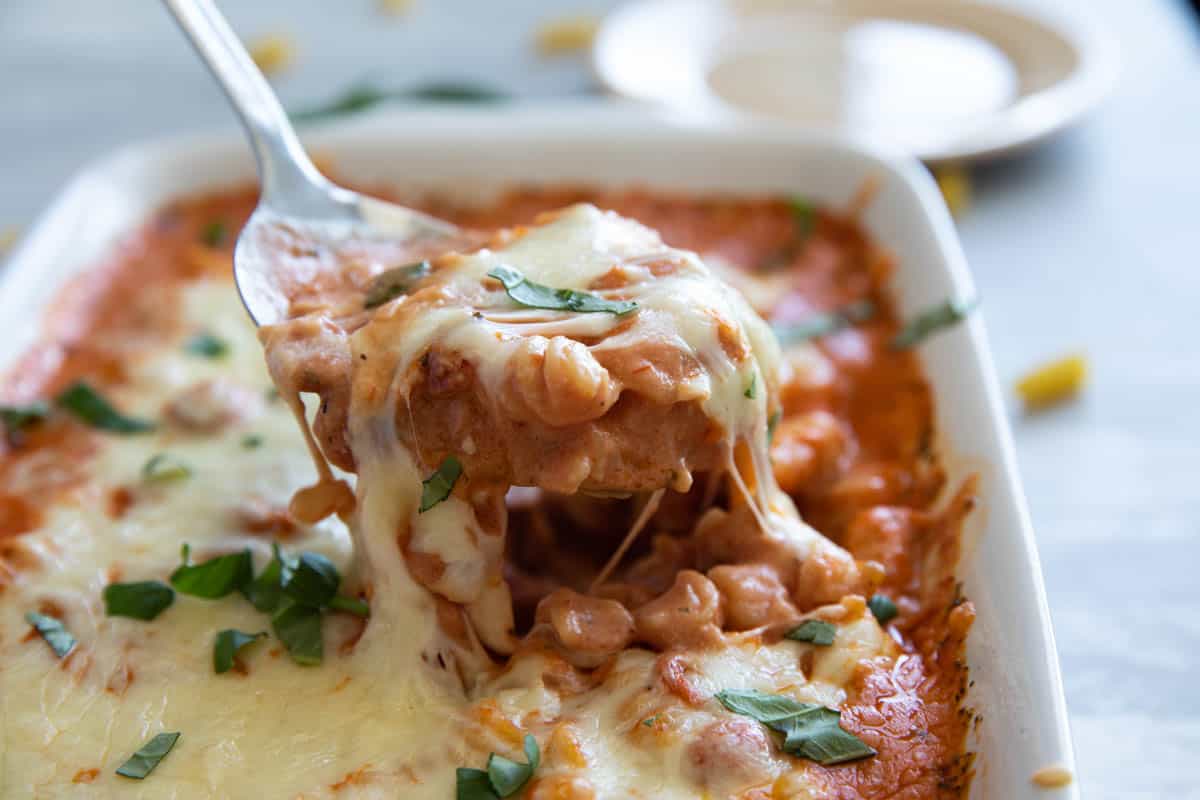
(395, 6)
(272, 52)
(8, 237)
(566, 34)
(1053, 382)
(955, 185)
(1054, 776)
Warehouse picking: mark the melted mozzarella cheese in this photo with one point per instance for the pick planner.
(281, 730)
(397, 712)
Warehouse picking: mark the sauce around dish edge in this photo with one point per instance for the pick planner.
(853, 446)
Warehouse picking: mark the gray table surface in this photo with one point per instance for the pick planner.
(1092, 242)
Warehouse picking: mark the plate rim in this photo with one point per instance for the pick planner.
(1055, 108)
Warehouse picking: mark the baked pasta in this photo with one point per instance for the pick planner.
(620, 494)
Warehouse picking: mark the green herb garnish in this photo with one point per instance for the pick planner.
(769, 709)
(772, 424)
(213, 234)
(932, 320)
(883, 608)
(356, 99)
(142, 600)
(296, 590)
(502, 778)
(535, 295)
(364, 96)
(350, 605)
(162, 468)
(813, 631)
(299, 628)
(229, 642)
(18, 418)
(752, 390)
(214, 578)
(86, 404)
(437, 487)
(453, 92)
(473, 784)
(312, 580)
(388, 285)
(805, 215)
(252, 441)
(206, 345)
(824, 324)
(818, 736)
(53, 631)
(143, 762)
(266, 590)
(809, 730)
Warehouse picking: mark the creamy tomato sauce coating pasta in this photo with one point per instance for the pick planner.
(654, 552)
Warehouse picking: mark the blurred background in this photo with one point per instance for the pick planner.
(1086, 247)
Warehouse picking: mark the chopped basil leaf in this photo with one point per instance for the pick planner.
(502, 778)
(142, 600)
(509, 777)
(805, 215)
(214, 578)
(817, 736)
(437, 487)
(53, 631)
(365, 96)
(772, 424)
(18, 418)
(453, 92)
(649, 721)
(824, 324)
(473, 784)
(351, 605)
(932, 320)
(388, 285)
(883, 608)
(252, 441)
(299, 628)
(206, 345)
(752, 390)
(226, 648)
(265, 591)
(357, 98)
(214, 233)
(82, 401)
(162, 468)
(143, 762)
(535, 295)
(814, 631)
(810, 731)
(312, 581)
(769, 709)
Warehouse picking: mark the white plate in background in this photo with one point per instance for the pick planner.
(944, 80)
(1015, 681)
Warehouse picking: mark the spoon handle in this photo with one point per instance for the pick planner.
(290, 181)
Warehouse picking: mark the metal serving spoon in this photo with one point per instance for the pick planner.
(294, 194)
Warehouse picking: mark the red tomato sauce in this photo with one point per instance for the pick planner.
(854, 446)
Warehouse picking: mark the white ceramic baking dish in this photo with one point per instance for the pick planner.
(1014, 668)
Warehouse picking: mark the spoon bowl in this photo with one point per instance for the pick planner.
(294, 196)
